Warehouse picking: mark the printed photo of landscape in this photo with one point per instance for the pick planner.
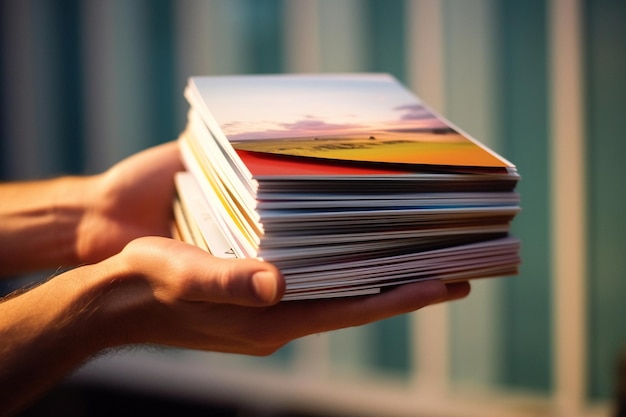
(369, 117)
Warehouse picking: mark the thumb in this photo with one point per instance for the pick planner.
(247, 282)
(187, 273)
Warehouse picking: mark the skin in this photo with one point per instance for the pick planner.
(130, 283)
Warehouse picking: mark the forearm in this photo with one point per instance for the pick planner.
(50, 330)
(155, 291)
(39, 222)
(71, 221)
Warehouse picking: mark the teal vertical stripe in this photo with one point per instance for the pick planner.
(389, 344)
(527, 330)
(162, 84)
(385, 46)
(57, 82)
(605, 29)
(264, 31)
(53, 53)
(386, 39)
(65, 61)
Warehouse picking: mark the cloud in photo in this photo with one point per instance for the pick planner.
(413, 112)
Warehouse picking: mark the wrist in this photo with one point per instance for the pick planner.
(72, 204)
(62, 314)
(40, 222)
(65, 317)
(122, 297)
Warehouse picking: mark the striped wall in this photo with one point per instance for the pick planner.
(85, 83)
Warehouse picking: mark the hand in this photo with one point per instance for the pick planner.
(132, 199)
(162, 291)
(183, 296)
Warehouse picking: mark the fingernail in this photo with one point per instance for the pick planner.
(265, 286)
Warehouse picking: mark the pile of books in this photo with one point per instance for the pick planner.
(347, 183)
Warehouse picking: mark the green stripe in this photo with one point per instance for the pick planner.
(526, 303)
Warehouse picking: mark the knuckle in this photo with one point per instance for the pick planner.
(235, 286)
(228, 286)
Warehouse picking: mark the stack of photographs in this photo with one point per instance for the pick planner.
(347, 183)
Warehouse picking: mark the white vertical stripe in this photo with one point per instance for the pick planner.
(426, 68)
(425, 51)
(210, 37)
(313, 357)
(568, 206)
(342, 35)
(345, 350)
(194, 46)
(116, 121)
(117, 90)
(471, 74)
(194, 37)
(431, 356)
(350, 350)
(302, 43)
(209, 40)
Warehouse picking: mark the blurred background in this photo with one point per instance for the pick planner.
(87, 83)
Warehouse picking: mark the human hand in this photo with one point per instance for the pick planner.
(180, 295)
(131, 199)
(166, 292)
